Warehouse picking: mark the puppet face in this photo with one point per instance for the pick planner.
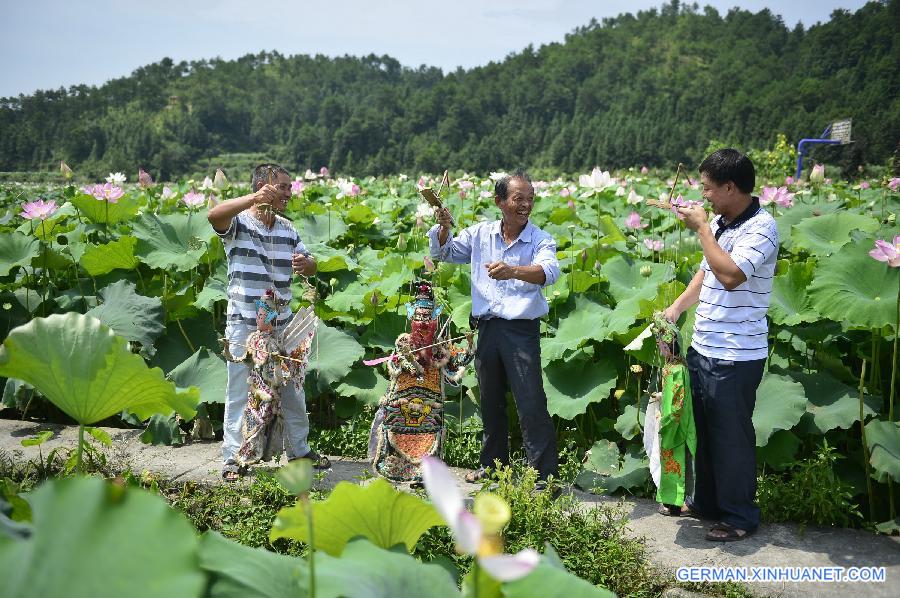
(423, 331)
(261, 324)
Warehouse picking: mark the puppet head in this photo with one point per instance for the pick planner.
(267, 309)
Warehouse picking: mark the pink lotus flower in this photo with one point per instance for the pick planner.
(644, 170)
(167, 192)
(193, 199)
(297, 186)
(347, 188)
(788, 180)
(429, 264)
(864, 185)
(486, 194)
(105, 192)
(654, 244)
(571, 205)
(144, 178)
(421, 183)
(38, 209)
(464, 184)
(323, 172)
(564, 192)
(780, 195)
(681, 202)
(469, 530)
(633, 221)
(894, 183)
(633, 198)
(886, 252)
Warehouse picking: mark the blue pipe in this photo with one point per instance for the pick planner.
(801, 150)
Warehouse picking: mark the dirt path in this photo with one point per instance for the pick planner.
(672, 542)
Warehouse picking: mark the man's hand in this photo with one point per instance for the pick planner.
(500, 270)
(267, 194)
(672, 314)
(695, 217)
(444, 218)
(303, 264)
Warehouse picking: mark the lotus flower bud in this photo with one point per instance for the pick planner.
(583, 257)
(401, 242)
(213, 201)
(144, 178)
(374, 300)
(492, 512)
(818, 174)
(597, 265)
(65, 170)
(220, 182)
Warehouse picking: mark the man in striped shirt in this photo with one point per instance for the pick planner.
(730, 342)
(263, 251)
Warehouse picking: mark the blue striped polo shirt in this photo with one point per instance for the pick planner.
(732, 325)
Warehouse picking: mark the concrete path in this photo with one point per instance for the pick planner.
(671, 542)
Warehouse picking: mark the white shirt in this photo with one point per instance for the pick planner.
(731, 325)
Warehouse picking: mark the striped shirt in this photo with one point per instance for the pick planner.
(258, 258)
(731, 325)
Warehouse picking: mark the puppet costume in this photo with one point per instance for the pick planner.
(670, 438)
(409, 423)
(276, 359)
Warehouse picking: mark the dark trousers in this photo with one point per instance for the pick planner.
(509, 357)
(724, 395)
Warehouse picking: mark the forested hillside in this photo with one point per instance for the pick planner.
(652, 88)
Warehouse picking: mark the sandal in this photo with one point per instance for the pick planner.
(729, 533)
(319, 461)
(231, 472)
(674, 511)
(477, 475)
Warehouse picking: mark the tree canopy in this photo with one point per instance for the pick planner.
(648, 88)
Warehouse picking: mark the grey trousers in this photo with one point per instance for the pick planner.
(508, 357)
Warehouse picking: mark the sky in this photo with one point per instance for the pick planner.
(47, 44)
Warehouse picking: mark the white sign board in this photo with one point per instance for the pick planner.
(840, 130)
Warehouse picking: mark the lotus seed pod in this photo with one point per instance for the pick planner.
(646, 271)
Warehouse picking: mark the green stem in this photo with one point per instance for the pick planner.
(78, 449)
(865, 446)
(186, 339)
(312, 547)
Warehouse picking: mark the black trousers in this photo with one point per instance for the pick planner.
(724, 395)
(508, 356)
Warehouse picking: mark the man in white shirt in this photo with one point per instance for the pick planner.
(730, 340)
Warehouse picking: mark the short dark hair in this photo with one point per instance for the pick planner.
(501, 187)
(261, 173)
(730, 165)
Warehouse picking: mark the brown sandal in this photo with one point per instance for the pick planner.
(729, 533)
(477, 475)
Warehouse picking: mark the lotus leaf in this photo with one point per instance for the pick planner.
(130, 315)
(204, 370)
(115, 255)
(364, 384)
(883, 438)
(172, 241)
(83, 368)
(366, 571)
(379, 512)
(780, 451)
(602, 469)
(333, 354)
(852, 288)
(17, 249)
(824, 235)
(790, 303)
(572, 385)
(238, 571)
(92, 539)
(780, 403)
(98, 212)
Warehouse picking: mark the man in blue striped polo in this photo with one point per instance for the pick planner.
(512, 260)
(730, 341)
(263, 251)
